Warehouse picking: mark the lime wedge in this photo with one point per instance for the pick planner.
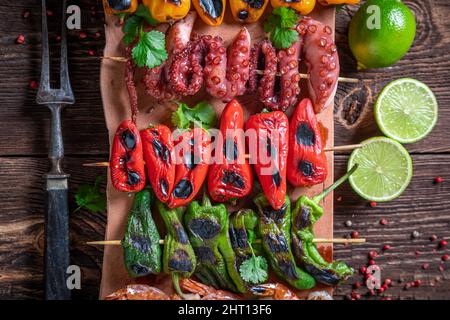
(384, 171)
(406, 110)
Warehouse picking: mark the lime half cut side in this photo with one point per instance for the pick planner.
(406, 110)
(384, 171)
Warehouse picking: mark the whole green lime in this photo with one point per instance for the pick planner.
(381, 33)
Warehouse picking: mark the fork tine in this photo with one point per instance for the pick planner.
(64, 69)
(44, 84)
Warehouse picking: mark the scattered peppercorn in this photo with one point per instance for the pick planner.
(441, 268)
(442, 244)
(49, 13)
(407, 286)
(373, 254)
(339, 199)
(20, 39)
(91, 52)
(33, 84)
(383, 222)
(363, 270)
(355, 234)
(58, 38)
(26, 14)
(97, 35)
(438, 180)
(381, 290)
(433, 238)
(415, 234)
(444, 257)
(82, 35)
(371, 262)
(373, 204)
(348, 223)
(425, 266)
(357, 285)
(388, 282)
(386, 247)
(417, 283)
(417, 253)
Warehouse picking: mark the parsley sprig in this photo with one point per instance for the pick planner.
(280, 25)
(90, 197)
(255, 269)
(150, 48)
(202, 114)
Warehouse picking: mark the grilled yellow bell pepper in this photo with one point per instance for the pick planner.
(248, 11)
(211, 11)
(116, 6)
(303, 6)
(333, 2)
(167, 10)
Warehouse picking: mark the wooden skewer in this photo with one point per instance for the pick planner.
(247, 156)
(161, 242)
(302, 75)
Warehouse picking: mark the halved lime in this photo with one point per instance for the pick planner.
(406, 110)
(384, 171)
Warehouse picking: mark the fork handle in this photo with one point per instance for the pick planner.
(56, 151)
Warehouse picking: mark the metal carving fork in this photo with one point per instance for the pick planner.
(57, 219)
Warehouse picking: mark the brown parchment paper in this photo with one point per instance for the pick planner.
(116, 108)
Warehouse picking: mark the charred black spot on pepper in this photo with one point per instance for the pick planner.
(276, 243)
(164, 187)
(140, 243)
(233, 178)
(240, 238)
(275, 215)
(119, 5)
(133, 178)
(205, 254)
(243, 14)
(213, 8)
(230, 154)
(183, 189)
(161, 150)
(140, 270)
(303, 220)
(255, 4)
(180, 261)
(288, 269)
(304, 135)
(204, 228)
(306, 168)
(324, 276)
(181, 235)
(276, 178)
(128, 139)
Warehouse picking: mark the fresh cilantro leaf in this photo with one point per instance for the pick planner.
(202, 114)
(150, 51)
(90, 197)
(280, 25)
(255, 269)
(288, 17)
(143, 12)
(131, 29)
(283, 38)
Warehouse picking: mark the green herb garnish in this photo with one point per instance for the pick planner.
(255, 269)
(279, 24)
(202, 115)
(90, 197)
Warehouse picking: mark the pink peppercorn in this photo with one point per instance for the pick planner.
(33, 84)
(381, 290)
(383, 222)
(91, 52)
(433, 238)
(363, 270)
(386, 247)
(373, 254)
(388, 282)
(373, 204)
(82, 35)
(371, 262)
(371, 292)
(20, 39)
(425, 266)
(444, 257)
(438, 180)
(357, 285)
(442, 244)
(441, 268)
(417, 283)
(355, 234)
(26, 14)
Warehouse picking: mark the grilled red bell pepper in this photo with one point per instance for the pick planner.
(307, 164)
(270, 131)
(232, 177)
(159, 156)
(192, 161)
(126, 163)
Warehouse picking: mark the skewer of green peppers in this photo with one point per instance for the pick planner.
(305, 214)
(274, 226)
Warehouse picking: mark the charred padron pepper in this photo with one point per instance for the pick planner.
(248, 11)
(207, 227)
(116, 6)
(159, 156)
(191, 168)
(127, 163)
(306, 213)
(231, 177)
(211, 11)
(270, 130)
(302, 6)
(307, 164)
(178, 256)
(142, 252)
(274, 227)
(243, 233)
(166, 10)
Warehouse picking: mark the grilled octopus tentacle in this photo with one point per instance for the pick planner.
(321, 58)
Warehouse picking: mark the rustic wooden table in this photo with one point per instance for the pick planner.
(424, 207)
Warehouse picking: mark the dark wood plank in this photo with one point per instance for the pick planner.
(83, 123)
(424, 207)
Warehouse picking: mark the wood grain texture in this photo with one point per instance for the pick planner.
(424, 207)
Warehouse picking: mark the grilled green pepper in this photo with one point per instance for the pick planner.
(306, 213)
(178, 256)
(207, 226)
(142, 252)
(274, 226)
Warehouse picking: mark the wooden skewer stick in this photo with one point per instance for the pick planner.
(247, 156)
(161, 242)
(302, 75)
